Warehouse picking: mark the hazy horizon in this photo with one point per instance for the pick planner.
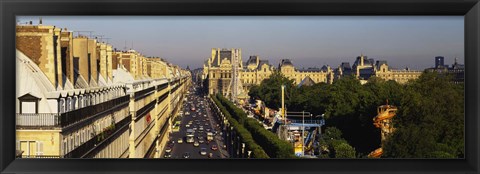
(309, 41)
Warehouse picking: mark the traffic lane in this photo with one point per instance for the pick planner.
(179, 149)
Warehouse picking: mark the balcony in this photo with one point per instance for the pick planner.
(143, 111)
(40, 156)
(143, 93)
(72, 117)
(38, 120)
(163, 97)
(162, 86)
(100, 141)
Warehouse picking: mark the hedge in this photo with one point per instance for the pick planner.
(244, 134)
(272, 145)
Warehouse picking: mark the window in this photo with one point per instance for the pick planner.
(67, 104)
(61, 103)
(73, 101)
(70, 143)
(28, 107)
(64, 143)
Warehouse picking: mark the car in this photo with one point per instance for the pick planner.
(201, 128)
(203, 151)
(167, 155)
(206, 124)
(198, 122)
(196, 144)
(168, 149)
(200, 137)
(180, 141)
(201, 141)
(186, 155)
(214, 147)
(187, 125)
(208, 130)
(195, 128)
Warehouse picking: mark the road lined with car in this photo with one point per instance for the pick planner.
(196, 133)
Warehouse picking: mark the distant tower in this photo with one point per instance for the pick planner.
(439, 61)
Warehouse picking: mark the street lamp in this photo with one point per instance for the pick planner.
(303, 133)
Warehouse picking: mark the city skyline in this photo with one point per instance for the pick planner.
(308, 41)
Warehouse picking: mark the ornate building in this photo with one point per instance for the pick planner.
(383, 71)
(364, 68)
(78, 98)
(324, 74)
(217, 70)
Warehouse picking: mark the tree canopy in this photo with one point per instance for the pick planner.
(429, 121)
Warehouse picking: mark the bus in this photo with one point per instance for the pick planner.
(190, 136)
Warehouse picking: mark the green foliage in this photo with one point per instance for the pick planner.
(244, 134)
(271, 144)
(332, 133)
(432, 116)
(429, 122)
(270, 90)
(335, 146)
(344, 150)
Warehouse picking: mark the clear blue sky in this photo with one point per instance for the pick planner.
(309, 41)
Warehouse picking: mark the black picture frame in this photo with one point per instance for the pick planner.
(470, 9)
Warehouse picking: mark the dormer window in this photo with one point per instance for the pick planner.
(28, 104)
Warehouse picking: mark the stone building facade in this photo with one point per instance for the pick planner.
(78, 98)
(217, 70)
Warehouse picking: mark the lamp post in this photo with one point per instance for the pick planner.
(303, 133)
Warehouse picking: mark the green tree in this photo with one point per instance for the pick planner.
(333, 145)
(430, 121)
(270, 90)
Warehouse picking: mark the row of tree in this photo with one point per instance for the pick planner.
(271, 144)
(245, 136)
(429, 122)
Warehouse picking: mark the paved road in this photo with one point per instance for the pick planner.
(200, 117)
